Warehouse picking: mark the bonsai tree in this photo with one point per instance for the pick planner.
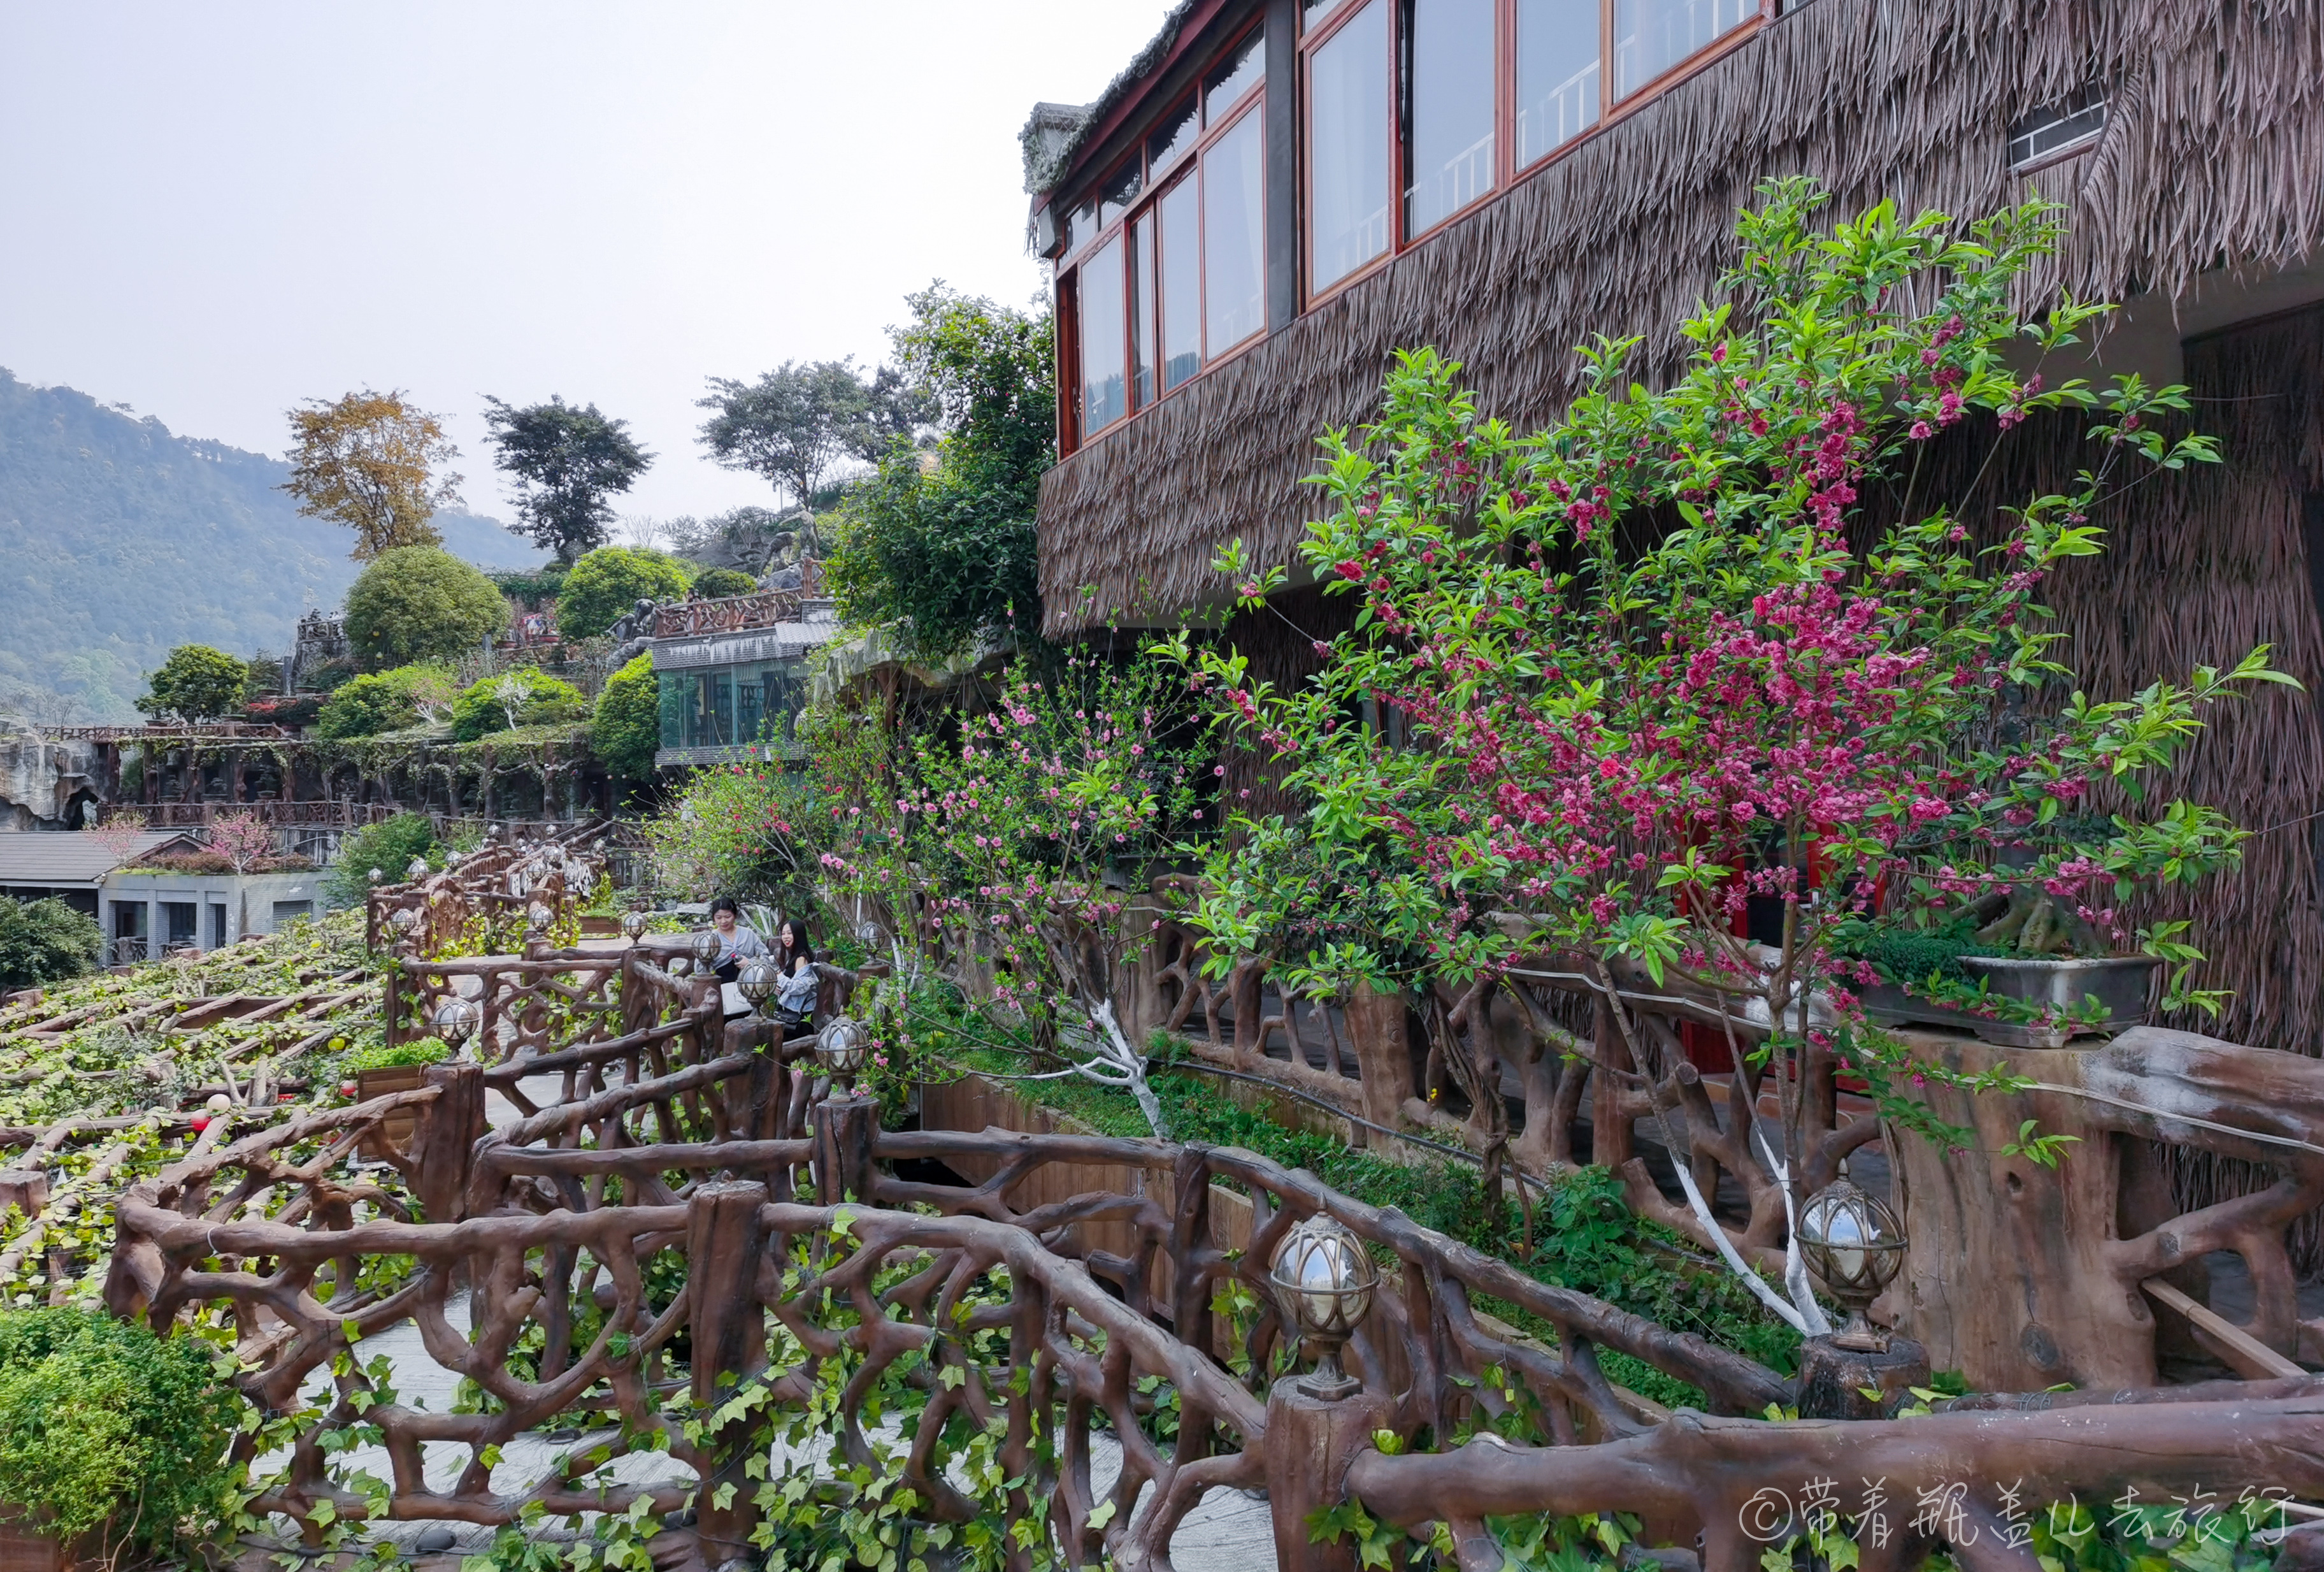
(417, 602)
(524, 697)
(1725, 642)
(195, 683)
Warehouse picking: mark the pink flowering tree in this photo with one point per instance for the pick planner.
(1720, 643)
(1027, 829)
(243, 839)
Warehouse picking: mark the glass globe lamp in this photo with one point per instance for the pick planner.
(1854, 1246)
(1323, 1285)
(841, 1048)
(376, 875)
(539, 916)
(456, 1021)
(756, 981)
(707, 946)
(634, 925)
(416, 869)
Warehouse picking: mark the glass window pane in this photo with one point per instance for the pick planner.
(1141, 308)
(1120, 192)
(1234, 77)
(1104, 395)
(1181, 232)
(1449, 161)
(1172, 139)
(1080, 227)
(1557, 74)
(1234, 238)
(1317, 12)
(749, 708)
(1347, 146)
(1651, 36)
(674, 700)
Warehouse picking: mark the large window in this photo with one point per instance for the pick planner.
(751, 705)
(1165, 268)
(1557, 74)
(1448, 66)
(1349, 145)
(1417, 110)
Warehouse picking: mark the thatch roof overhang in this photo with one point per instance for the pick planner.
(2213, 154)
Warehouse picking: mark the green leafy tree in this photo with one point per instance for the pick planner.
(724, 581)
(45, 942)
(606, 583)
(799, 423)
(524, 697)
(416, 603)
(195, 683)
(625, 730)
(567, 461)
(387, 701)
(388, 845)
(944, 553)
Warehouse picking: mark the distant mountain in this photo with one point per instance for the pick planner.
(119, 540)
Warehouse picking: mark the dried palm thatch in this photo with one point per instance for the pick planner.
(2213, 151)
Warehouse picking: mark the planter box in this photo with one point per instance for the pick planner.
(2119, 982)
(23, 1548)
(601, 926)
(396, 1131)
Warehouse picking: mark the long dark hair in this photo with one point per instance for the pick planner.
(785, 953)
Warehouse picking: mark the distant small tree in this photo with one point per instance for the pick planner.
(45, 942)
(724, 581)
(387, 701)
(944, 553)
(625, 732)
(799, 423)
(604, 584)
(195, 683)
(524, 697)
(370, 461)
(567, 461)
(388, 845)
(243, 839)
(750, 540)
(416, 603)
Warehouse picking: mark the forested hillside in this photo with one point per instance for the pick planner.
(119, 539)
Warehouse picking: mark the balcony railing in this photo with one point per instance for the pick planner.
(730, 614)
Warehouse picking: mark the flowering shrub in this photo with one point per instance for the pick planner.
(1697, 647)
(243, 839)
(1015, 842)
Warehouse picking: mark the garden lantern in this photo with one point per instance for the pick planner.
(539, 916)
(634, 925)
(455, 1021)
(707, 946)
(376, 875)
(1323, 1284)
(1854, 1246)
(404, 921)
(841, 1048)
(757, 980)
(416, 869)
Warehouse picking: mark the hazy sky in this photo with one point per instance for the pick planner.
(212, 211)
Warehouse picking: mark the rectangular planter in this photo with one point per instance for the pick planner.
(2119, 982)
(396, 1129)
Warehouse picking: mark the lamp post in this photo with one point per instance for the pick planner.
(841, 1048)
(1854, 1246)
(456, 1021)
(1323, 1284)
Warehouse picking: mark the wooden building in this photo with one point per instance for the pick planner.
(1277, 194)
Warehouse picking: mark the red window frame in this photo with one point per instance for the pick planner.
(1188, 166)
(1506, 170)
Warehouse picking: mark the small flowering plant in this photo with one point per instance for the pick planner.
(1029, 829)
(1726, 641)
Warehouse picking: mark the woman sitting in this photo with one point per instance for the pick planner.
(794, 994)
(736, 943)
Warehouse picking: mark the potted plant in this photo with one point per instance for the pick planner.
(112, 1441)
(382, 1068)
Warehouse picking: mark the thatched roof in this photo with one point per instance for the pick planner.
(2213, 150)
